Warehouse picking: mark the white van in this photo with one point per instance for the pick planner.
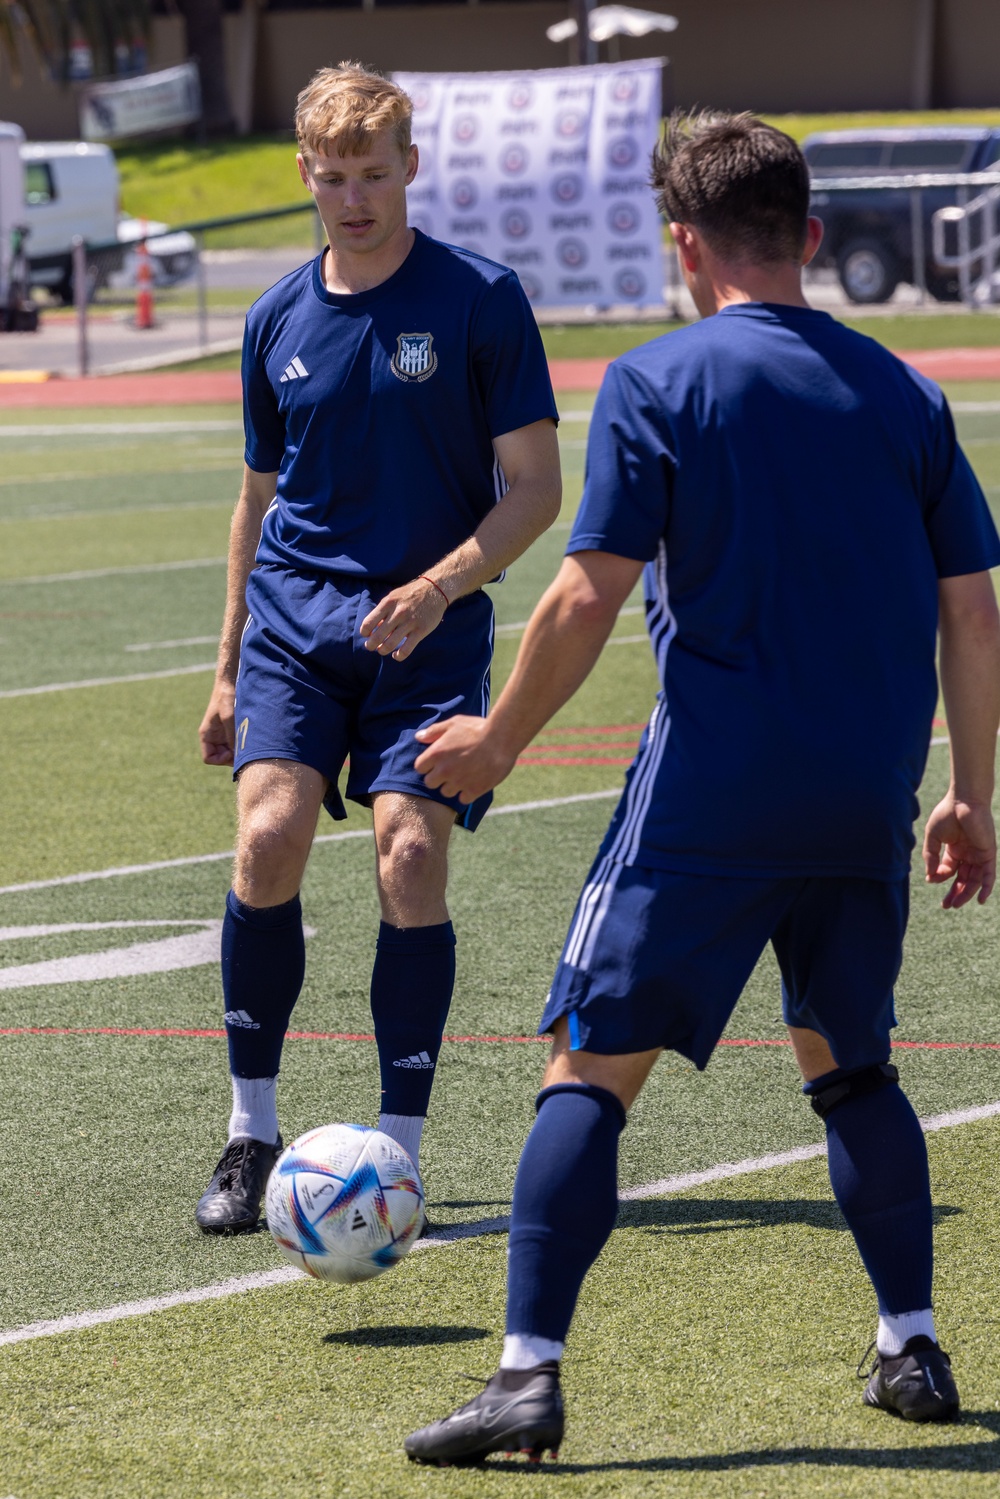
(11, 196)
(70, 188)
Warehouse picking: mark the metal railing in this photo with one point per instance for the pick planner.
(961, 215)
(196, 309)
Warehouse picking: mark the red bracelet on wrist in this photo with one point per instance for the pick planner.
(425, 579)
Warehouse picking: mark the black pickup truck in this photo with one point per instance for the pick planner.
(868, 233)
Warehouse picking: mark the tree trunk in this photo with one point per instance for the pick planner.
(205, 43)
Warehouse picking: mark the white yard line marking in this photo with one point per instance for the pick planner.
(113, 572)
(264, 1279)
(165, 645)
(123, 870)
(119, 429)
(970, 408)
(584, 416)
(135, 676)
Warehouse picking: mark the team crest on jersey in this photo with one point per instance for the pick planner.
(414, 358)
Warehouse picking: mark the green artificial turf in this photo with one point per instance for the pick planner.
(713, 1354)
(714, 1350)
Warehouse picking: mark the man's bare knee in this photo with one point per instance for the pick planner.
(279, 803)
(621, 1075)
(411, 843)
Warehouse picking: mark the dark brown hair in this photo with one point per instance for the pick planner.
(739, 182)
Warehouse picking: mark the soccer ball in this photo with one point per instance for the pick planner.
(344, 1203)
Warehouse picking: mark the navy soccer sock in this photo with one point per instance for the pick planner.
(565, 1206)
(879, 1175)
(263, 965)
(412, 983)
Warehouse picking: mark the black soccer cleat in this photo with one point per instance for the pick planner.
(230, 1204)
(520, 1410)
(916, 1384)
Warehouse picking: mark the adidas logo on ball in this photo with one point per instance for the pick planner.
(422, 1060)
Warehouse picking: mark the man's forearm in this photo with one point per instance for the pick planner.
(244, 537)
(970, 684)
(561, 644)
(527, 509)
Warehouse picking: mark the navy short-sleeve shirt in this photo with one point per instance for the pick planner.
(796, 492)
(379, 410)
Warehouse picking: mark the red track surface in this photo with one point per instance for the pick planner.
(153, 1032)
(166, 389)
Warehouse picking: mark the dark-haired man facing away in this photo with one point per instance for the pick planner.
(806, 523)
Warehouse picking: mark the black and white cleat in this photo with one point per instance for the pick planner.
(918, 1384)
(519, 1411)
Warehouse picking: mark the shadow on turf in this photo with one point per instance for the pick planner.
(962, 1457)
(406, 1337)
(680, 1215)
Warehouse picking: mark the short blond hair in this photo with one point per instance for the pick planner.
(346, 106)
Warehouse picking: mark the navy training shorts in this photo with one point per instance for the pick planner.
(309, 691)
(654, 958)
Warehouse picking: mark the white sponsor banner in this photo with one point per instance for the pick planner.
(140, 106)
(547, 172)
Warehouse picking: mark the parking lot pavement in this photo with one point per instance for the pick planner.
(114, 343)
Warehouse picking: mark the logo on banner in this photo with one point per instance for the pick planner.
(622, 152)
(623, 218)
(414, 358)
(567, 187)
(531, 287)
(514, 159)
(572, 253)
(570, 123)
(464, 193)
(624, 88)
(515, 223)
(520, 95)
(420, 98)
(630, 283)
(465, 129)
(419, 221)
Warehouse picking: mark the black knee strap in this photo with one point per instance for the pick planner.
(854, 1085)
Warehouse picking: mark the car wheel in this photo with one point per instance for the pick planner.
(868, 271)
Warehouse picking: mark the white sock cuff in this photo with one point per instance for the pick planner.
(895, 1331)
(255, 1109)
(406, 1130)
(522, 1350)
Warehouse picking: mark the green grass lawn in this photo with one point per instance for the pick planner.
(714, 1351)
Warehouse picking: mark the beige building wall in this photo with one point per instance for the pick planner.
(771, 55)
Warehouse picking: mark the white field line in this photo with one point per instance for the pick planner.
(584, 416)
(135, 676)
(117, 429)
(113, 572)
(122, 870)
(165, 645)
(969, 408)
(264, 1279)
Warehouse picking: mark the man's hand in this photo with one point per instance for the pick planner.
(464, 757)
(960, 845)
(405, 617)
(218, 731)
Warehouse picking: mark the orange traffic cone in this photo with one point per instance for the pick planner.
(144, 287)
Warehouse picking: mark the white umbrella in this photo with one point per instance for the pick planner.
(607, 21)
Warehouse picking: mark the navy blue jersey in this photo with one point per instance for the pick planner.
(379, 410)
(796, 492)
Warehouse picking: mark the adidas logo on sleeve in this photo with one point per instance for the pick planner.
(421, 1060)
(294, 371)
